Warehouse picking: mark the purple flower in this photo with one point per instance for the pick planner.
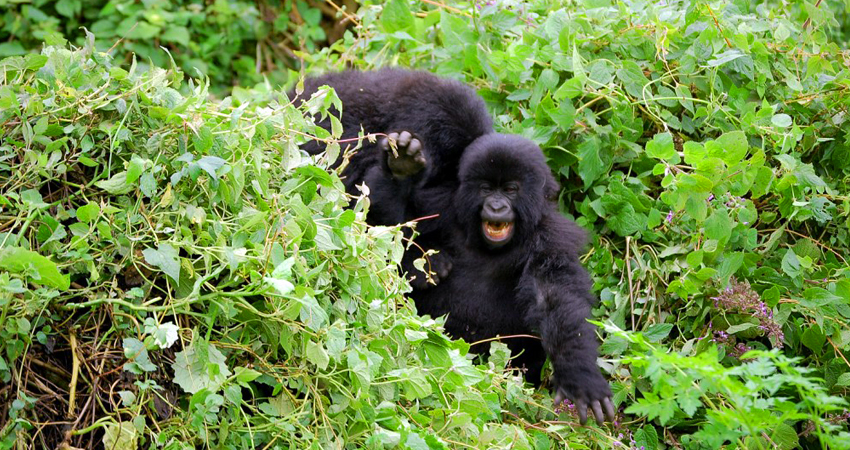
(739, 297)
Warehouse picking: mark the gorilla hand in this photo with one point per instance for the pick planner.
(438, 264)
(595, 395)
(404, 154)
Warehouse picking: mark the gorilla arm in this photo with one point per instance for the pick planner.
(560, 299)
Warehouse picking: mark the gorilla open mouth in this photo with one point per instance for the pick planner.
(498, 232)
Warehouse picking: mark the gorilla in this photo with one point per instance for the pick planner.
(516, 270)
(508, 260)
(411, 171)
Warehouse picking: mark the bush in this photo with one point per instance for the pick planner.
(234, 42)
(176, 273)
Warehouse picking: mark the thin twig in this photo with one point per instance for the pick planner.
(719, 28)
(75, 370)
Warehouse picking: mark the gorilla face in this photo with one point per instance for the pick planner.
(504, 182)
(497, 212)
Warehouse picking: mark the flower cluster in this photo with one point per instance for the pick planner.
(732, 349)
(565, 406)
(741, 298)
(632, 445)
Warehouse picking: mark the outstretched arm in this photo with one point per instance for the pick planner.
(562, 303)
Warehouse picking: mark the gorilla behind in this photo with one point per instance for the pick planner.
(443, 115)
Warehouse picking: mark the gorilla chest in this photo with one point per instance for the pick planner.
(480, 299)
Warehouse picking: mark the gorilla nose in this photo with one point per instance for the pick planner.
(498, 207)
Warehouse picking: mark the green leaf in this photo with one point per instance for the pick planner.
(843, 380)
(121, 435)
(88, 213)
(657, 332)
(782, 120)
(661, 146)
(210, 164)
(396, 16)
(731, 147)
(44, 271)
(593, 162)
(138, 361)
(718, 225)
(634, 80)
(194, 371)
(246, 374)
(317, 355)
(117, 184)
(646, 438)
(312, 314)
(814, 339)
(784, 437)
(166, 259)
(791, 264)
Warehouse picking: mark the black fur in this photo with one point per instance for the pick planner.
(444, 114)
(534, 284)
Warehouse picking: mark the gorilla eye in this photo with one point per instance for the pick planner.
(486, 188)
(511, 188)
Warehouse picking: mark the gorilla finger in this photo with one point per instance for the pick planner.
(582, 412)
(597, 412)
(420, 159)
(609, 408)
(384, 143)
(559, 397)
(404, 139)
(414, 147)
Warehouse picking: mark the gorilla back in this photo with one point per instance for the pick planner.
(444, 116)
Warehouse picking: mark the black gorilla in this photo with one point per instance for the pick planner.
(516, 270)
(431, 120)
(513, 258)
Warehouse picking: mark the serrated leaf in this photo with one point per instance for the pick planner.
(843, 380)
(661, 146)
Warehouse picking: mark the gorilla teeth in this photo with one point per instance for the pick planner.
(498, 231)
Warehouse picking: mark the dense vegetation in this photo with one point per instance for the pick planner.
(175, 273)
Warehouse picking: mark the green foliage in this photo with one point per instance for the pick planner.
(240, 304)
(704, 143)
(231, 42)
(186, 254)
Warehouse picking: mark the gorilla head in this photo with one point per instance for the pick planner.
(504, 185)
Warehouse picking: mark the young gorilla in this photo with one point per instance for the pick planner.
(516, 270)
